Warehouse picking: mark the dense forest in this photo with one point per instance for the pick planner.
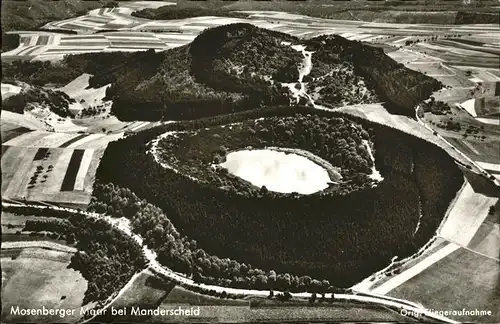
(9, 41)
(234, 68)
(106, 258)
(56, 101)
(336, 140)
(341, 239)
(180, 254)
(174, 12)
(45, 73)
(379, 78)
(33, 14)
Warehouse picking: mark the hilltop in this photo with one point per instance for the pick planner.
(378, 78)
(234, 68)
(239, 67)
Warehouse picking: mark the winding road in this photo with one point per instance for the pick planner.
(474, 163)
(122, 224)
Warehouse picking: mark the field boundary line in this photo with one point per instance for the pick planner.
(479, 253)
(84, 167)
(408, 274)
(38, 244)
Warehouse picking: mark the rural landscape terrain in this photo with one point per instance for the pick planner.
(250, 161)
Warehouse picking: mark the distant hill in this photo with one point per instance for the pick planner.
(176, 12)
(392, 11)
(32, 14)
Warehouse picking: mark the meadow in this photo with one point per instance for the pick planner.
(37, 277)
(462, 279)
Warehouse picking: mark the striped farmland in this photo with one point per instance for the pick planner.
(68, 183)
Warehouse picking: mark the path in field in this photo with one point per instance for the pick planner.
(465, 216)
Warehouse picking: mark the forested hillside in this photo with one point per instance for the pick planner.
(234, 68)
(174, 12)
(336, 140)
(225, 69)
(239, 67)
(32, 96)
(341, 66)
(341, 239)
(32, 14)
(58, 74)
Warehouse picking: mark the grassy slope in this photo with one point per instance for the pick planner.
(148, 290)
(462, 279)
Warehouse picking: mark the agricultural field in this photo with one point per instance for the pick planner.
(55, 167)
(34, 278)
(78, 162)
(131, 33)
(12, 232)
(151, 291)
(46, 158)
(462, 279)
(10, 131)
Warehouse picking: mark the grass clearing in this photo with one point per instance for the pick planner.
(488, 152)
(73, 140)
(53, 140)
(83, 169)
(487, 240)
(27, 139)
(37, 278)
(489, 106)
(16, 165)
(147, 289)
(279, 313)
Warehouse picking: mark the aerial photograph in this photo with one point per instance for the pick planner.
(250, 161)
